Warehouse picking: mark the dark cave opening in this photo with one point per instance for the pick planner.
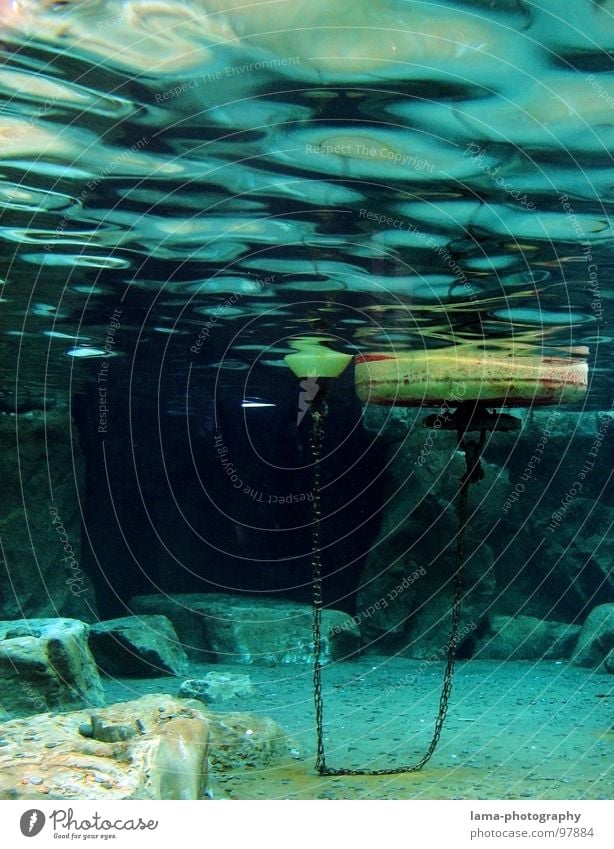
(189, 489)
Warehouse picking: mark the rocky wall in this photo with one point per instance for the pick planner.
(42, 471)
(536, 541)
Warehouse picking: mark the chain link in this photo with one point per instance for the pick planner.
(317, 436)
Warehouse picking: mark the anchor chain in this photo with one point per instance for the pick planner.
(317, 436)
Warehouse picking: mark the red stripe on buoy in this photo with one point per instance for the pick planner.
(371, 358)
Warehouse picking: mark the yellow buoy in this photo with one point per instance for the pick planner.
(314, 360)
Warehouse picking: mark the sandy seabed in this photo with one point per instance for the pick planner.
(514, 730)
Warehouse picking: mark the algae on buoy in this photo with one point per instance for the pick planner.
(430, 378)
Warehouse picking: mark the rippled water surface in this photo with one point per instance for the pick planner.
(197, 186)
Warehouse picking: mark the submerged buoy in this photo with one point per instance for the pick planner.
(312, 359)
(451, 376)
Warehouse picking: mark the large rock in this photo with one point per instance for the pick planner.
(41, 469)
(241, 629)
(514, 563)
(240, 740)
(596, 639)
(581, 552)
(558, 564)
(565, 425)
(135, 646)
(162, 756)
(154, 747)
(217, 687)
(405, 599)
(45, 664)
(526, 638)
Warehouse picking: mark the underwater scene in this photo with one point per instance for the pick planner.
(306, 400)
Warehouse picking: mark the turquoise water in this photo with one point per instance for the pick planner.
(394, 174)
(186, 190)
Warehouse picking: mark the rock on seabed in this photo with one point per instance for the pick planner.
(46, 664)
(240, 629)
(137, 646)
(167, 749)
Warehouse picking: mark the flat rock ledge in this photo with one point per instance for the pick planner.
(155, 747)
(224, 628)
